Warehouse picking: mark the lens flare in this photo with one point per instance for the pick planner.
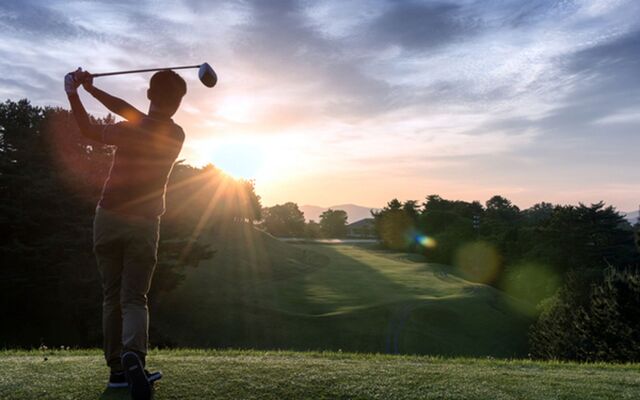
(426, 241)
(532, 282)
(478, 261)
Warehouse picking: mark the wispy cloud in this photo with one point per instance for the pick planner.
(489, 95)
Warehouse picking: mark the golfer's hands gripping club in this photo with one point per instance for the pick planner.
(73, 79)
(87, 81)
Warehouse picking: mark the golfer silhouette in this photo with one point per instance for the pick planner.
(126, 227)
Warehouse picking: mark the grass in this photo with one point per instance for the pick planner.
(258, 292)
(191, 374)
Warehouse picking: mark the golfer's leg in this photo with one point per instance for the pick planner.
(108, 250)
(140, 258)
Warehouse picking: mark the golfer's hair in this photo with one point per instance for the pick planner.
(167, 88)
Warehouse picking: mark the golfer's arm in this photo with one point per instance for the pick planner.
(87, 129)
(116, 105)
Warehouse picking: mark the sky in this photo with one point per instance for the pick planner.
(337, 101)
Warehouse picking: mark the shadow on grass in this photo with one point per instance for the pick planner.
(264, 294)
(115, 394)
(352, 281)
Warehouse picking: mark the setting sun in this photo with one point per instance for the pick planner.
(263, 158)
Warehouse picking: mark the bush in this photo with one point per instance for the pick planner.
(600, 323)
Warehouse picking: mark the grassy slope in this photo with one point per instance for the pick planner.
(284, 375)
(258, 292)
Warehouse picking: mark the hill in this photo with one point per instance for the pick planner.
(235, 375)
(354, 212)
(259, 292)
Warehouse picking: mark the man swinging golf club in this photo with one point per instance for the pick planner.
(127, 219)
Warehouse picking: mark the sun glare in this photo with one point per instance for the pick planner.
(263, 158)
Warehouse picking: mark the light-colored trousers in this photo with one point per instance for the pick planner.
(126, 250)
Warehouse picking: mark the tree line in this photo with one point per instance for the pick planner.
(578, 264)
(287, 220)
(50, 181)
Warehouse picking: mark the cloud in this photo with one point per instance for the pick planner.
(605, 89)
(626, 116)
(418, 25)
(279, 38)
(512, 91)
(609, 69)
(31, 18)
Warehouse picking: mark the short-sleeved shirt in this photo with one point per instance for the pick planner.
(145, 155)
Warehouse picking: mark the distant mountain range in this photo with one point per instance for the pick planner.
(354, 211)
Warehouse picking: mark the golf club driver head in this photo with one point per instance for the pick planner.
(207, 75)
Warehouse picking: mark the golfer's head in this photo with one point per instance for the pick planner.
(166, 90)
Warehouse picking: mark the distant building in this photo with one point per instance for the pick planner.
(364, 228)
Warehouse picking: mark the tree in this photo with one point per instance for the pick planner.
(435, 203)
(412, 210)
(500, 212)
(285, 220)
(592, 318)
(581, 237)
(312, 230)
(46, 183)
(395, 225)
(333, 223)
(449, 223)
(538, 213)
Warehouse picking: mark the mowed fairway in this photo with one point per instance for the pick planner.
(285, 375)
(258, 292)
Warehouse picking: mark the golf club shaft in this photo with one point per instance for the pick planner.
(135, 71)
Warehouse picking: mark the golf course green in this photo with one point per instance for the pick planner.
(258, 292)
(231, 374)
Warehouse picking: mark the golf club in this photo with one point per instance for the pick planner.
(206, 74)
